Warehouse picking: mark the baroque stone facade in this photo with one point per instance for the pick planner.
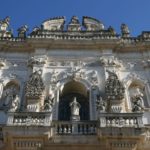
(79, 86)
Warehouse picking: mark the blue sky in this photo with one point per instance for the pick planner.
(135, 13)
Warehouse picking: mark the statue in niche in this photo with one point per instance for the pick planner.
(75, 108)
(125, 30)
(137, 102)
(48, 103)
(15, 104)
(9, 94)
(100, 104)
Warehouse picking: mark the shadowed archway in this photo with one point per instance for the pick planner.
(73, 89)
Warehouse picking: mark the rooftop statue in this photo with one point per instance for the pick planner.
(22, 31)
(35, 30)
(74, 24)
(92, 24)
(111, 30)
(125, 30)
(54, 24)
(4, 24)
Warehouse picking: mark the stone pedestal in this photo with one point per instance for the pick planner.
(75, 118)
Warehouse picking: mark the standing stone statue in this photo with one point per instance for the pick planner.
(125, 30)
(75, 108)
(22, 31)
(48, 103)
(137, 102)
(15, 104)
(100, 104)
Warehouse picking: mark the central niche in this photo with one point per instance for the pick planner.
(73, 89)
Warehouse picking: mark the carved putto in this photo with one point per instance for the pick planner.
(35, 85)
(114, 88)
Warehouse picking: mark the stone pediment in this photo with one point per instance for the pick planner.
(54, 24)
(92, 24)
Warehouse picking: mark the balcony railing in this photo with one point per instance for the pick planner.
(29, 119)
(78, 127)
(120, 120)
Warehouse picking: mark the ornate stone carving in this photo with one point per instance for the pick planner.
(35, 85)
(9, 95)
(100, 104)
(92, 24)
(74, 24)
(111, 61)
(22, 31)
(54, 24)
(36, 61)
(125, 30)
(114, 88)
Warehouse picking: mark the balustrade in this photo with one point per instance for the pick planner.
(36, 119)
(66, 127)
(121, 120)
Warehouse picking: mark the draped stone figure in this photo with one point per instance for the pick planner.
(15, 104)
(137, 102)
(100, 104)
(75, 108)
